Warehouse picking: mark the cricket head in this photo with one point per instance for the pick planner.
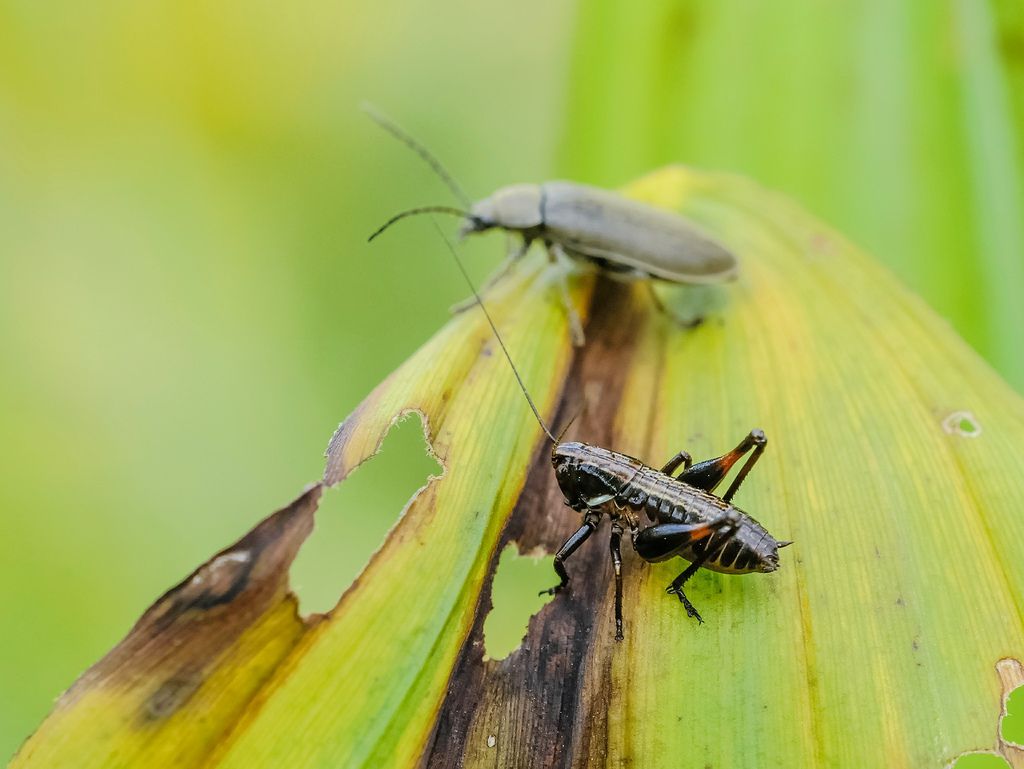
(586, 478)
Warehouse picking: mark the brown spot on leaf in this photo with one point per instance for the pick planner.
(183, 634)
(555, 690)
(171, 695)
(254, 566)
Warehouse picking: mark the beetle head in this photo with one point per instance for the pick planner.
(516, 207)
(480, 218)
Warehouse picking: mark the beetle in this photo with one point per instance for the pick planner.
(623, 238)
(684, 516)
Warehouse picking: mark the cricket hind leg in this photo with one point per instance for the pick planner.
(708, 474)
(664, 540)
(570, 546)
(682, 458)
(676, 588)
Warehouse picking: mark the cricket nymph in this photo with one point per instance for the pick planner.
(623, 487)
(687, 519)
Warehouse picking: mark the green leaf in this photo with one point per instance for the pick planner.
(898, 123)
(893, 462)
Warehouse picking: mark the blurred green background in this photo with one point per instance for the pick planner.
(188, 306)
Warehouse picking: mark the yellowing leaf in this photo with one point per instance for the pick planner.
(188, 670)
(894, 462)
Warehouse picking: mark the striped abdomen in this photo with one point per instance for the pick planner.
(667, 500)
(749, 549)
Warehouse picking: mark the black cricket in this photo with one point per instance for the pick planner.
(686, 518)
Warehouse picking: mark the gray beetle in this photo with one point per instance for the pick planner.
(624, 238)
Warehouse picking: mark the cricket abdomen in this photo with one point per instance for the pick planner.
(750, 549)
(665, 499)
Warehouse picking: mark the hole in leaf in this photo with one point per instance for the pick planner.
(980, 761)
(517, 581)
(962, 423)
(354, 517)
(1012, 727)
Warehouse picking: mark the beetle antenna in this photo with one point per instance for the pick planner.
(504, 349)
(423, 210)
(392, 128)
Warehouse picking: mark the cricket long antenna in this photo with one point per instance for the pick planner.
(392, 128)
(422, 210)
(569, 423)
(497, 336)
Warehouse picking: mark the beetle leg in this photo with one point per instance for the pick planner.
(617, 565)
(682, 458)
(676, 588)
(575, 326)
(555, 251)
(690, 320)
(708, 474)
(656, 300)
(568, 548)
(513, 256)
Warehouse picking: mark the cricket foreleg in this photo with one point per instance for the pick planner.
(617, 565)
(568, 548)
